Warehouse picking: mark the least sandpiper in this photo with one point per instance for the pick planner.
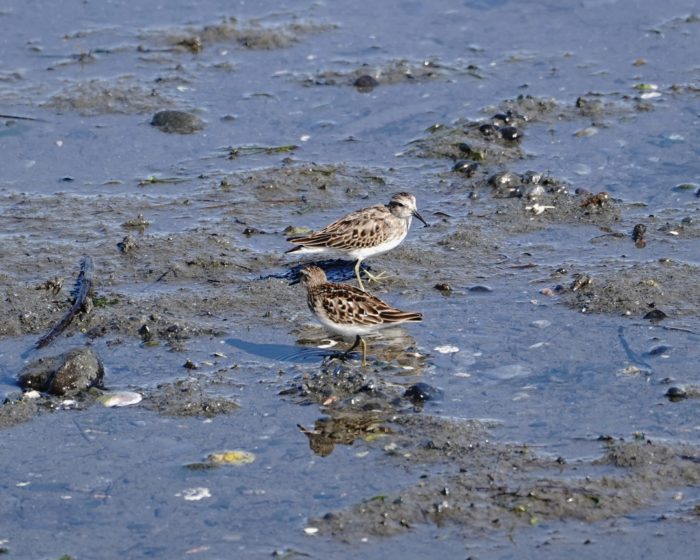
(349, 311)
(363, 233)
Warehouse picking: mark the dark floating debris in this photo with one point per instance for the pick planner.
(179, 122)
(83, 285)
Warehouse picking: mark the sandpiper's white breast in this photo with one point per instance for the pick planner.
(402, 227)
(346, 329)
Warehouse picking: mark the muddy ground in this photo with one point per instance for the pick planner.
(190, 253)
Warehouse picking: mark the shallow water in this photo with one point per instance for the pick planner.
(537, 371)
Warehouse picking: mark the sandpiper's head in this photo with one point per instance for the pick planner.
(403, 205)
(312, 276)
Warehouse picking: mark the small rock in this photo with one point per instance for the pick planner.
(65, 375)
(127, 245)
(365, 83)
(655, 315)
(638, 232)
(581, 281)
(444, 287)
(179, 122)
(509, 133)
(419, 393)
(146, 333)
(676, 394)
(466, 167)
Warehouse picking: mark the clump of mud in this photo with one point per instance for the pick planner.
(188, 397)
(257, 34)
(486, 486)
(368, 76)
(638, 289)
(102, 96)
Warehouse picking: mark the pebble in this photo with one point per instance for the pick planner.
(365, 83)
(655, 315)
(179, 122)
(421, 392)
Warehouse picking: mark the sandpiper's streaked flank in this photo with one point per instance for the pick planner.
(349, 311)
(363, 233)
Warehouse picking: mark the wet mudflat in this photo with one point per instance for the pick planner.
(546, 405)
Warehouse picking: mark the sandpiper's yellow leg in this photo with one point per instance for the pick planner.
(372, 277)
(375, 277)
(358, 340)
(357, 274)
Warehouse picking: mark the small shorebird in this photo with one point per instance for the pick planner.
(363, 233)
(349, 311)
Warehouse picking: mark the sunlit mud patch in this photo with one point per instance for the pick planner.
(194, 396)
(369, 76)
(300, 188)
(259, 34)
(485, 486)
(99, 96)
(637, 290)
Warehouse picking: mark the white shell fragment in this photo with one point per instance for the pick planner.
(446, 349)
(194, 494)
(121, 398)
(311, 530)
(539, 208)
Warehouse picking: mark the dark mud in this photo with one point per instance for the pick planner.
(637, 290)
(477, 486)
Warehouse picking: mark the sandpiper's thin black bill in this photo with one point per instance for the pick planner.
(417, 215)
